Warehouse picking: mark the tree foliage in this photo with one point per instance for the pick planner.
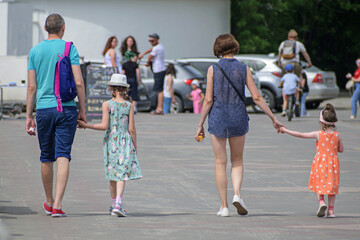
(329, 29)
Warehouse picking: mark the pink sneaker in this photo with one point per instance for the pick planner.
(48, 209)
(58, 213)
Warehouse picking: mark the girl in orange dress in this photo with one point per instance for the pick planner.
(324, 176)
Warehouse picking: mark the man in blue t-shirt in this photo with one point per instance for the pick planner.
(56, 130)
(290, 84)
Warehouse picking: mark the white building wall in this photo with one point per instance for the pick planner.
(19, 29)
(186, 27)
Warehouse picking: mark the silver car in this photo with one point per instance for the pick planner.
(204, 63)
(322, 84)
(185, 74)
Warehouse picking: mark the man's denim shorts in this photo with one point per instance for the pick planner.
(56, 131)
(159, 81)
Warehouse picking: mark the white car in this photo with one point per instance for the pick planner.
(322, 84)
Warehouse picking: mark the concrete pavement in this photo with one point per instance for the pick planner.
(177, 197)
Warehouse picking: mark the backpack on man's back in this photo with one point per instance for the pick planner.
(64, 83)
(289, 49)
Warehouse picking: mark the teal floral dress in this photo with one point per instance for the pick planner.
(120, 159)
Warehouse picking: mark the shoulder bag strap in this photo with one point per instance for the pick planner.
(231, 83)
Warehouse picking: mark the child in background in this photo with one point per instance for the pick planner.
(120, 159)
(196, 96)
(290, 83)
(132, 72)
(169, 96)
(324, 176)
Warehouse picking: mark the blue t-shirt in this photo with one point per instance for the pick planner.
(290, 83)
(43, 58)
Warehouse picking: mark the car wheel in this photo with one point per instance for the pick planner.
(178, 106)
(269, 99)
(312, 105)
(18, 108)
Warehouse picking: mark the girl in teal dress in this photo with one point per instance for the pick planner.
(120, 159)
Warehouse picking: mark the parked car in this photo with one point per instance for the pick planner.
(185, 74)
(322, 84)
(204, 63)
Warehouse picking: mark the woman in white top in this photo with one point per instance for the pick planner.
(112, 59)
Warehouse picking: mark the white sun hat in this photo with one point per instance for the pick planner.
(118, 80)
(195, 82)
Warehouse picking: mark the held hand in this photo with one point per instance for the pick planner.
(309, 65)
(277, 125)
(30, 126)
(81, 124)
(139, 83)
(282, 130)
(199, 132)
(174, 100)
(82, 116)
(348, 75)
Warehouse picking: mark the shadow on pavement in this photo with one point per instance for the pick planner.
(267, 215)
(15, 210)
(167, 214)
(130, 214)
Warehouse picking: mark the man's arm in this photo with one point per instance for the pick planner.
(80, 90)
(150, 58)
(307, 58)
(144, 53)
(30, 100)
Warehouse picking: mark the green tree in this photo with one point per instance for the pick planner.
(328, 29)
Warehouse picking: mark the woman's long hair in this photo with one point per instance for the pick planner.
(108, 45)
(171, 70)
(123, 47)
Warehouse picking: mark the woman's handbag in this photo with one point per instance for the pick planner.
(350, 84)
(231, 83)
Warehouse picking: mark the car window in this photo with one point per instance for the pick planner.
(249, 63)
(202, 66)
(195, 73)
(259, 65)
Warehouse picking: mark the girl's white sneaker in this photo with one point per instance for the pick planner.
(322, 210)
(240, 205)
(223, 212)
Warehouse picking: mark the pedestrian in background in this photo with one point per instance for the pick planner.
(289, 53)
(169, 96)
(128, 49)
(356, 95)
(112, 58)
(156, 61)
(325, 172)
(228, 119)
(120, 158)
(132, 72)
(196, 97)
(305, 92)
(56, 130)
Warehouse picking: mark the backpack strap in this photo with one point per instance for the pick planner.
(57, 88)
(67, 48)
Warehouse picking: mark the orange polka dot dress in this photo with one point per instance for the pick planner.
(324, 176)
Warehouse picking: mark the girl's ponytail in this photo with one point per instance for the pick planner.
(329, 113)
